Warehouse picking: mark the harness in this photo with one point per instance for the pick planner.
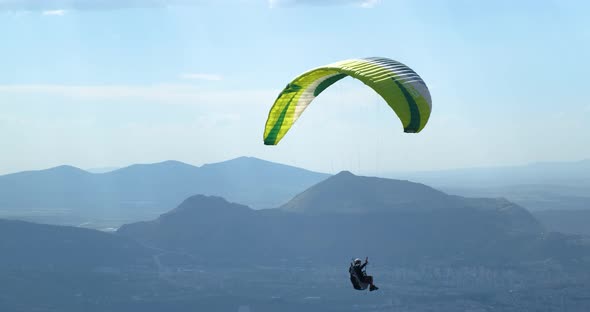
(356, 280)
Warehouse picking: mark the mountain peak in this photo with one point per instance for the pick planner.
(172, 162)
(348, 193)
(200, 201)
(63, 170)
(204, 207)
(243, 161)
(345, 173)
(160, 166)
(168, 163)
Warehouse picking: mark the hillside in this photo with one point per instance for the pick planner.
(34, 246)
(423, 226)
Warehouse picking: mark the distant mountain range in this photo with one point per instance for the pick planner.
(68, 195)
(574, 173)
(539, 186)
(142, 191)
(102, 169)
(396, 222)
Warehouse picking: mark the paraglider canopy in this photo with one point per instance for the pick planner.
(403, 90)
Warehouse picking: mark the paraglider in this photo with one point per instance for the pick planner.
(401, 87)
(358, 275)
(403, 90)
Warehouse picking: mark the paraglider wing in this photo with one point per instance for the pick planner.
(402, 89)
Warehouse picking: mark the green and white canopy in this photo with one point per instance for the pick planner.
(402, 89)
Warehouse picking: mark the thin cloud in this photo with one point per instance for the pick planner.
(90, 5)
(201, 76)
(285, 3)
(368, 4)
(54, 12)
(50, 5)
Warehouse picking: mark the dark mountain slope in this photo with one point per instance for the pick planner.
(419, 226)
(48, 247)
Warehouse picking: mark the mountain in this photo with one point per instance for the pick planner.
(144, 191)
(34, 246)
(538, 186)
(207, 226)
(397, 222)
(102, 169)
(565, 221)
(215, 255)
(534, 197)
(575, 173)
(348, 193)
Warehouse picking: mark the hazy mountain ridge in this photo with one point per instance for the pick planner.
(146, 190)
(467, 232)
(574, 173)
(537, 186)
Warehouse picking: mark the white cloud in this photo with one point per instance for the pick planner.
(54, 12)
(201, 76)
(367, 4)
(49, 5)
(361, 3)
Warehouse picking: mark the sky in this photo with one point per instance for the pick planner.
(113, 83)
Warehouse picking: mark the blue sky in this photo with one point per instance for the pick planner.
(111, 83)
